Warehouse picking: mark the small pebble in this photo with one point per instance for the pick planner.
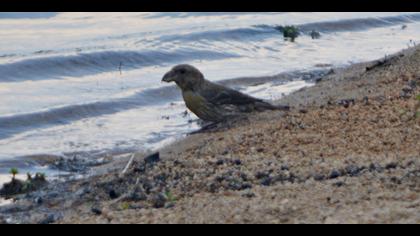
(234, 186)
(158, 200)
(169, 205)
(338, 184)
(303, 111)
(138, 196)
(96, 211)
(212, 187)
(284, 167)
(152, 158)
(267, 181)
(261, 175)
(405, 95)
(220, 162)
(412, 84)
(391, 165)
(407, 89)
(246, 186)
(375, 167)
(38, 200)
(47, 220)
(237, 162)
(248, 194)
(113, 194)
(353, 170)
(260, 150)
(395, 180)
(347, 102)
(319, 177)
(334, 174)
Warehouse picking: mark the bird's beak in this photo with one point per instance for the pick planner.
(167, 77)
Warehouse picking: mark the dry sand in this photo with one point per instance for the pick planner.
(347, 153)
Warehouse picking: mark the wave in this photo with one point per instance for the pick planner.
(96, 62)
(238, 34)
(82, 64)
(14, 124)
(260, 32)
(11, 125)
(354, 24)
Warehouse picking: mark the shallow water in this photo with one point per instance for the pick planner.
(88, 84)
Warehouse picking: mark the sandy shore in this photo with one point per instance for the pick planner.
(348, 152)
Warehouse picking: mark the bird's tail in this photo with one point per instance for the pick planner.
(267, 106)
(283, 107)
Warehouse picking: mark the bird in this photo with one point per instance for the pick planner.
(210, 101)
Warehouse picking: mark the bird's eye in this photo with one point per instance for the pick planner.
(182, 71)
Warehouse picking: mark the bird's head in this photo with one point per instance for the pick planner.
(185, 76)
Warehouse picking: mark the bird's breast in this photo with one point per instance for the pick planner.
(201, 107)
(193, 101)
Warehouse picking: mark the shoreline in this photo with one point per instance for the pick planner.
(346, 153)
(68, 164)
(276, 82)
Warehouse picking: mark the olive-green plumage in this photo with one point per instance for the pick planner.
(210, 101)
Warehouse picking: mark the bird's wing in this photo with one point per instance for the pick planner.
(220, 95)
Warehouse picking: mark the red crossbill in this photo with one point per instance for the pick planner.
(210, 101)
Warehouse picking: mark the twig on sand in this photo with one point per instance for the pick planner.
(378, 63)
(128, 165)
(383, 62)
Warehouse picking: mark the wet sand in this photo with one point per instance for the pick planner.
(346, 153)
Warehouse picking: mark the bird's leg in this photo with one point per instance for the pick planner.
(206, 127)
